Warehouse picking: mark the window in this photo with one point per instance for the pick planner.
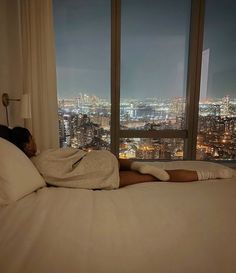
(129, 77)
(154, 57)
(151, 148)
(82, 30)
(217, 106)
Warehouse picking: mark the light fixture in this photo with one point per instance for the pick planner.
(25, 105)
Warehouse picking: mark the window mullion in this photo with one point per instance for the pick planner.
(153, 134)
(115, 75)
(194, 76)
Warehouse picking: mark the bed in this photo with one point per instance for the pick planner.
(149, 227)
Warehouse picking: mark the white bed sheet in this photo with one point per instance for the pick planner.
(149, 227)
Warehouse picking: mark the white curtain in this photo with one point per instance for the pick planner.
(39, 70)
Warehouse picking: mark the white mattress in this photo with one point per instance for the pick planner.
(147, 228)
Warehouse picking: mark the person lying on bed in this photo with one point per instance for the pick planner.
(130, 172)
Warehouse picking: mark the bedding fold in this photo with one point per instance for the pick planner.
(142, 228)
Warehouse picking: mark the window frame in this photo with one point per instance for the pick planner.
(189, 135)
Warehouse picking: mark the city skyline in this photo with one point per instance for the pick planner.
(122, 100)
(85, 123)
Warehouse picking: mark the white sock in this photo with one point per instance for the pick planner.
(145, 168)
(220, 173)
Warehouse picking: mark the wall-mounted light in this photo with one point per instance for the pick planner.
(25, 105)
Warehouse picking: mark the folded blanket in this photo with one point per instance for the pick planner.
(69, 167)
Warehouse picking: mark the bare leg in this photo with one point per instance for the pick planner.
(133, 177)
(138, 172)
(182, 175)
(125, 164)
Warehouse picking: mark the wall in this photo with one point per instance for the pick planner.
(10, 59)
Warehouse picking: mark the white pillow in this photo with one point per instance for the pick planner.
(18, 175)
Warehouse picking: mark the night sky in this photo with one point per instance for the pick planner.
(154, 47)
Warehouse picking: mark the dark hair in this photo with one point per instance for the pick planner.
(5, 132)
(20, 137)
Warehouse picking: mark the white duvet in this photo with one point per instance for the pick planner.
(144, 228)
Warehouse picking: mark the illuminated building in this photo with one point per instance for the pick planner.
(87, 126)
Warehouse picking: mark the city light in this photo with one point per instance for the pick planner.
(84, 123)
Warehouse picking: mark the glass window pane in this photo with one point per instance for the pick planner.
(154, 51)
(147, 148)
(82, 30)
(217, 106)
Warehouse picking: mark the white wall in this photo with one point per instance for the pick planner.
(10, 59)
